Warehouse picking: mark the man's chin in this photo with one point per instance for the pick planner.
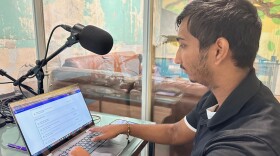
(193, 81)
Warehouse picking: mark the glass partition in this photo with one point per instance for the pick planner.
(172, 88)
(17, 42)
(174, 95)
(267, 61)
(107, 81)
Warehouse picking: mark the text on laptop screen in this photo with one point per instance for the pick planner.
(46, 119)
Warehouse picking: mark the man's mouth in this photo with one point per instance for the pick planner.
(182, 67)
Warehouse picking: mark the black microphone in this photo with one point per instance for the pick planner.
(91, 38)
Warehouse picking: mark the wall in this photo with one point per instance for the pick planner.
(17, 42)
(123, 19)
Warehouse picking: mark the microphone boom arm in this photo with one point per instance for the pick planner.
(38, 69)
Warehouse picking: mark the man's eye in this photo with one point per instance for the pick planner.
(182, 45)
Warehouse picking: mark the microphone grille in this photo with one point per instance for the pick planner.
(96, 40)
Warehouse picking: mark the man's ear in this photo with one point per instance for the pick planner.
(222, 50)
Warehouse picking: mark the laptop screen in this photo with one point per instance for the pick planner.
(47, 120)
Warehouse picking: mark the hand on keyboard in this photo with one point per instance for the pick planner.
(108, 131)
(78, 151)
(84, 144)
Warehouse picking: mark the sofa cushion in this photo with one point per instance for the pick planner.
(114, 80)
(124, 62)
(168, 92)
(173, 86)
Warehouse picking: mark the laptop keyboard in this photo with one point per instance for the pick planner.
(86, 143)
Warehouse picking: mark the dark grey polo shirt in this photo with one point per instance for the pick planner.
(247, 123)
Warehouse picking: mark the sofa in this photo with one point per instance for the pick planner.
(113, 84)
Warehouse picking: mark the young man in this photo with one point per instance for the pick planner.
(239, 116)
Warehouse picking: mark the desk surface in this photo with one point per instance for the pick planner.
(11, 134)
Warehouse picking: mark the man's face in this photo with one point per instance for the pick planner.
(189, 56)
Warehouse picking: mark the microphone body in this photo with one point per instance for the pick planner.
(91, 38)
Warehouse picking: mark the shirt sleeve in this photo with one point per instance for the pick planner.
(192, 118)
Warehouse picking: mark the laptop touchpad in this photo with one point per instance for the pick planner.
(112, 147)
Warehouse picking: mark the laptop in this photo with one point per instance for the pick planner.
(54, 122)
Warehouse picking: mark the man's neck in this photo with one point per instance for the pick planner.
(227, 82)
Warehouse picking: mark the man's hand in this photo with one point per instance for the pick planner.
(108, 131)
(78, 151)
(176, 133)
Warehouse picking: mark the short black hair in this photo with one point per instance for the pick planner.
(235, 20)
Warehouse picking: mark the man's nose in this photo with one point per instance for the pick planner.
(177, 59)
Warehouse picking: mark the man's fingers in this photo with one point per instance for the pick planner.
(105, 132)
(95, 129)
(98, 138)
(78, 151)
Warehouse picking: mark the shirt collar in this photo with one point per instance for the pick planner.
(235, 101)
(211, 111)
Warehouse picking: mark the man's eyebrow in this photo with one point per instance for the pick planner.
(179, 38)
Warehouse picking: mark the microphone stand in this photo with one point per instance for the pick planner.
(3, 73)
(38, 69)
